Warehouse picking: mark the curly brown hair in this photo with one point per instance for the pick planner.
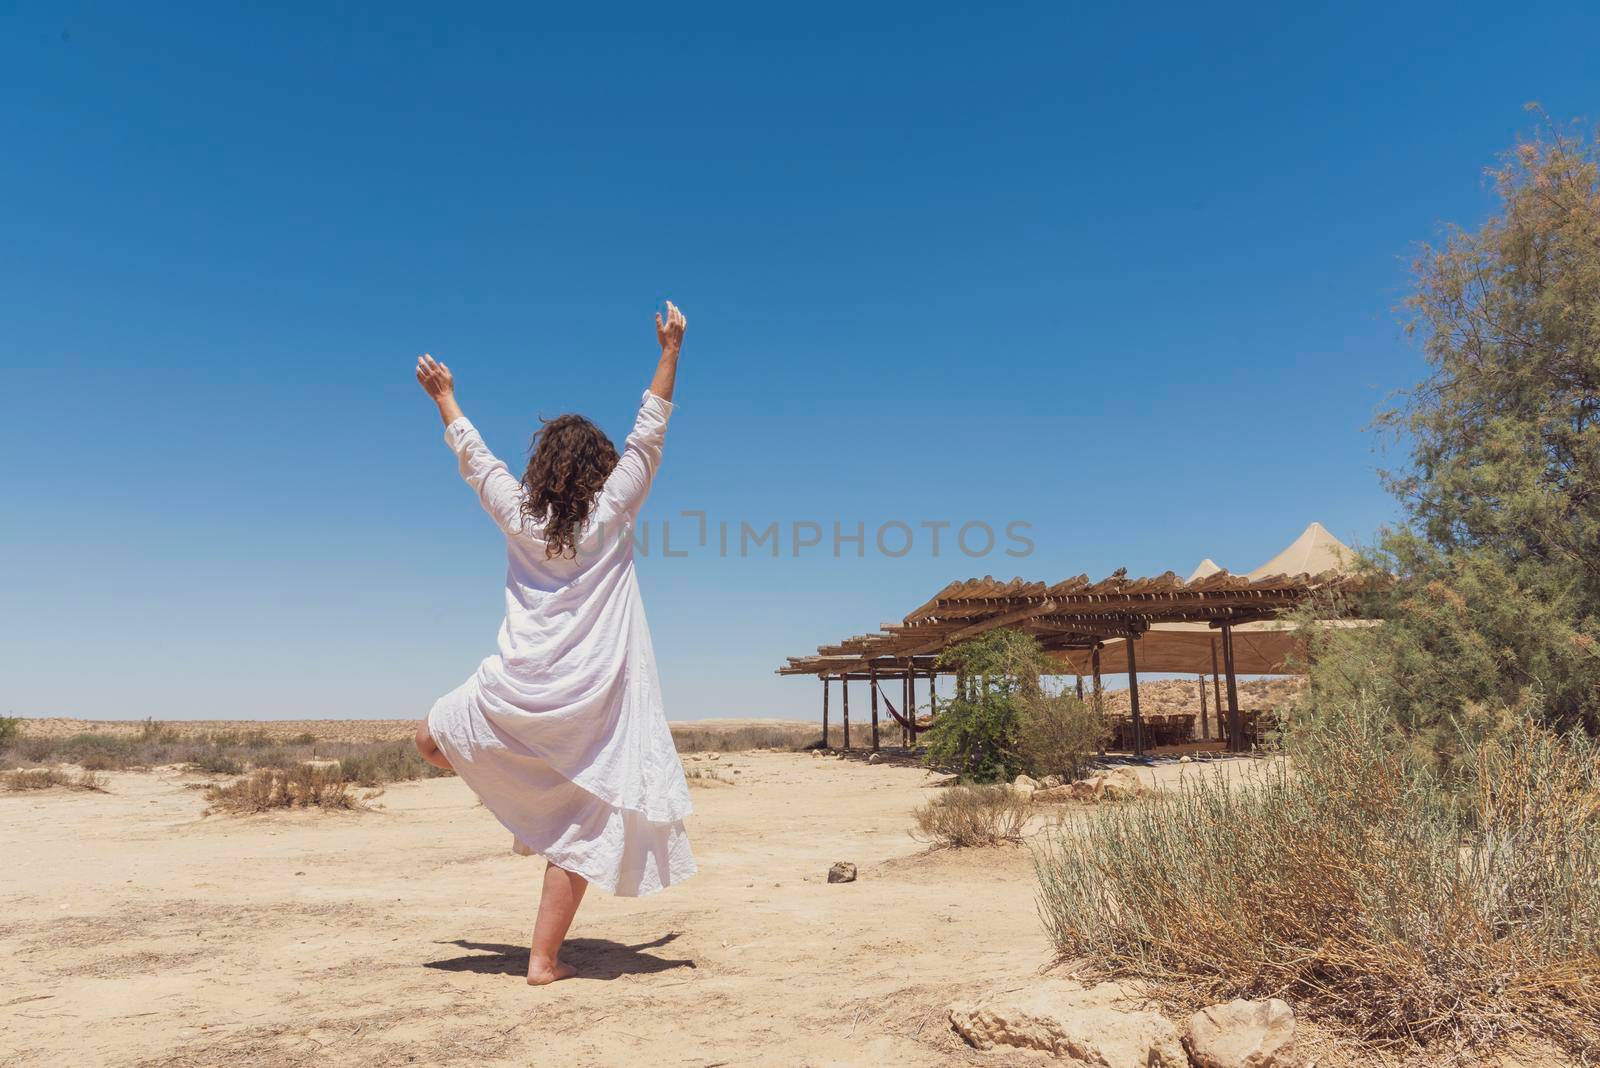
(570, 460)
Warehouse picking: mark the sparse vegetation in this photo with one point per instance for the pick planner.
(972, 816)
(394, 762)
(703, 775)
(47, 778)
(10, 730)
(1358, 884)
(790, 737)
(1059, 735)
(228, 752)
(305, 786)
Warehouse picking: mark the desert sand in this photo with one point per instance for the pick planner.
(139, 931)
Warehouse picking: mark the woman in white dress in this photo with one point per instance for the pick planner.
(561, 733)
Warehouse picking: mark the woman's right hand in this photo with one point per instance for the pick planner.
(670, 332)
(435, 377)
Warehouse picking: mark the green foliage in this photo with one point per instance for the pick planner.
(1002, 721)
(977, 732)
(1496, 603)
(10, 730)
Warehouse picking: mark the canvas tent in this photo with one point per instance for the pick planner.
(1314, 552)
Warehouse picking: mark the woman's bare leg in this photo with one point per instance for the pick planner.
(429, 749)
(557, 905)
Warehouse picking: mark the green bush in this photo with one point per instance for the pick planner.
(10, 731)
(1494, 600)
(1002, 722)
(976, 733)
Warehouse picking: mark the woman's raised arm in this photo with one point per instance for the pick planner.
(670, 334)
(498, 489)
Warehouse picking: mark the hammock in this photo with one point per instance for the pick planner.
(898, 718)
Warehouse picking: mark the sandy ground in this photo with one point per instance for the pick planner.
(138, 931)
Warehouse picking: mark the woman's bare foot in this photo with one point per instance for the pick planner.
(543, 973)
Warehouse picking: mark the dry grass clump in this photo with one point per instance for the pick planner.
(46, 778)
(1359, 885)
(972, 816)
(305, 786)
(385, 763)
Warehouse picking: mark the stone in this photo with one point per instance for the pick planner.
(842, 872)
(1186, 759)
(1099, 1025)
(1026, 781)
(1050, 782)
(1242, 1034)
(1054, 795)
(875, 758)
(1023, 793)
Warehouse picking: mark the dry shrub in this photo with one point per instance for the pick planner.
(387, 762)
(972, 816)
(706, 776)
(785, 736)
(1059, 735)
(46, 778)
(1359, 884)
(270, 788)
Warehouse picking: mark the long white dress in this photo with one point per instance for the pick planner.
(562, 733)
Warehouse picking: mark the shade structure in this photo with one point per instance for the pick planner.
(1212, 621)
(1173, 619)
(1269, 647)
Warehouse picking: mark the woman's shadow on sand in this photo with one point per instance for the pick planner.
(595, 958)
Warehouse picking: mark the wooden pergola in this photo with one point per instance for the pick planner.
(1075, 619)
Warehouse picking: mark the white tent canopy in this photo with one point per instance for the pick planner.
(1314, 552)
(1270, 647)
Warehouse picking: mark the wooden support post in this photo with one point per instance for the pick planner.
(872, 681)
(1079, 686)
(1205, 724)
(1133, 696)
(824, 711)
(1099, 694)
(844, 703)
(1216, 683)
(905, 709)
(933, 698)
(1235, 727)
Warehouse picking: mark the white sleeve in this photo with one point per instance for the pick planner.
(629, 482)
(498, 490)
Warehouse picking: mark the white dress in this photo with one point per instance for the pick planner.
(562, 732)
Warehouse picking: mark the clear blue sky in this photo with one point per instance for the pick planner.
(1128, 278)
